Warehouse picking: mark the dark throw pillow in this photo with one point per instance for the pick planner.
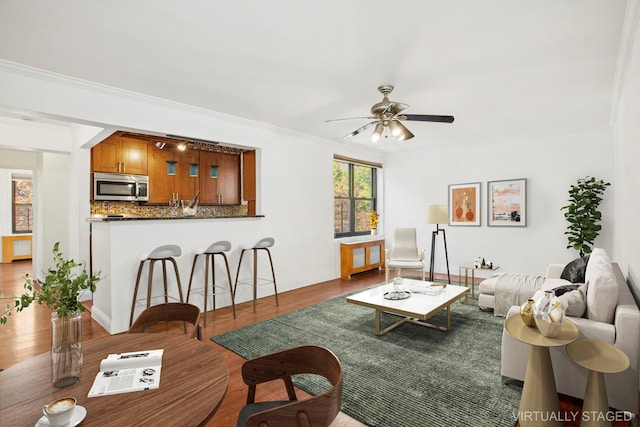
(574, 271)
(561, 290)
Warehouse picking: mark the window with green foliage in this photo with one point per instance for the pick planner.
(354, 195)
(22, 207)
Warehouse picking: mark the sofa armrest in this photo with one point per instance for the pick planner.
(627, 323)
(554, 271)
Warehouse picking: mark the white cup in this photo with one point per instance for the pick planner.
(60, 411)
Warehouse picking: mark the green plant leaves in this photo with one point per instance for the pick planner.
(582, 213)
(60, 290)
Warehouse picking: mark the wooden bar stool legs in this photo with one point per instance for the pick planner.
(264, 245)
(217, 248)
(164, 254)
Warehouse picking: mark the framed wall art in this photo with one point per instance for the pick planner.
(507, 203)
(464, 204)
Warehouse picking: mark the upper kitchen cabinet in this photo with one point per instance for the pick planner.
(120, 155)
(223, 186)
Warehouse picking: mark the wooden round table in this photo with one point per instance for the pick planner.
(193, 382)
(599, 358)
(539, 394)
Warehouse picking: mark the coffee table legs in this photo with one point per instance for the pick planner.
(539, 404)
(380, 331)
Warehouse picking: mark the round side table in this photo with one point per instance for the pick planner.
(599, 358)
(539, 404)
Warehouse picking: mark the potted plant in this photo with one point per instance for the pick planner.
(60, 292)
(583, 215)
(373, 221)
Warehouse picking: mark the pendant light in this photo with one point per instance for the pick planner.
(213, 171)
(171, 167)
(193, 169)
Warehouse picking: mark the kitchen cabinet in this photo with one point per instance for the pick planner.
(118, 154)
(162, 185)
(225, 189)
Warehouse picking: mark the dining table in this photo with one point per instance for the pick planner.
(193, 383)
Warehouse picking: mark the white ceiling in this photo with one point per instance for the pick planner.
(501, 67)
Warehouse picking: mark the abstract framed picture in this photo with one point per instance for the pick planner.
(464, 204)
(507, 203)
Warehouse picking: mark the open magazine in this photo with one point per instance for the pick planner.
(127, 372)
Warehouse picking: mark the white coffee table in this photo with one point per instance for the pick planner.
(415, 309)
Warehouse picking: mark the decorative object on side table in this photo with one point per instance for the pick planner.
(548, 313)
(60, 291)
(527, 313)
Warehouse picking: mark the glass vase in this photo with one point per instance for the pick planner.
(66, 349)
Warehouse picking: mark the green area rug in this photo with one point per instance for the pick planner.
(412, 376)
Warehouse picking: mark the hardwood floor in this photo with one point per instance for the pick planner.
(27, 334)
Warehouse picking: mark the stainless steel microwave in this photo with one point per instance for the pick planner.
(120, 187)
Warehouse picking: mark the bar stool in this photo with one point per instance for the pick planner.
(163, 254)
(263, 245)
(217, 248)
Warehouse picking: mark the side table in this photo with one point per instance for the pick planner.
(473, 276)
(539, 404)
(599, 358)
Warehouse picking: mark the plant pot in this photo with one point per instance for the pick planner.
(374, 231)
(66, 349)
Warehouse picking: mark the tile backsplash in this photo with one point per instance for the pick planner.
(159, 211)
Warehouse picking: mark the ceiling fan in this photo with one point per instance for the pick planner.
(388, 120)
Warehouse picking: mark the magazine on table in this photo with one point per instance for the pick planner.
(127, 372)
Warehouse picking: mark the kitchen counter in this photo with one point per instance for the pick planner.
(117, 243)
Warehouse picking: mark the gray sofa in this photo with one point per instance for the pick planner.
(623, 330)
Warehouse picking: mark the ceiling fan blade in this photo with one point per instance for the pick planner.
(427, 118)
(349, 118)
(361, 129)
(396, 107)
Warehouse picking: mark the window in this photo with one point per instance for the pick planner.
(21, 202)
(354, 194)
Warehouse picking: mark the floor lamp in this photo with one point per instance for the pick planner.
(438, 214)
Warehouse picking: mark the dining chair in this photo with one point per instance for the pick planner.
(404, 253)
(169, 312)
(318, 410)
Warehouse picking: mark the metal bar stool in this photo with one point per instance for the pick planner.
(217, 248)
(163, 254)
(264, 245)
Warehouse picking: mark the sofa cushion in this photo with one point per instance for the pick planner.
(575, 302)
(602, 288)
(575, 270)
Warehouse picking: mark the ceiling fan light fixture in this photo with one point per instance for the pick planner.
(377, 132)
(397, 128)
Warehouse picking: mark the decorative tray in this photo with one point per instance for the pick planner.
(397, 295)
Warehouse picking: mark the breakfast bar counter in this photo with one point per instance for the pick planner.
(118, 242)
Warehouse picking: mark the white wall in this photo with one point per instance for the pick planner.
(550, 164)
(627, 144)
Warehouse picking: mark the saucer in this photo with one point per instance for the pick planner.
(78, 415)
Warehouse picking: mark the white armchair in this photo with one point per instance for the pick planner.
(404, 253)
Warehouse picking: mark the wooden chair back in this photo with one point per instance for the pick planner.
(168, 312)
(318, 410)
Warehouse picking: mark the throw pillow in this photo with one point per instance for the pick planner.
(575, 302)
(561, 290)
(574, 271)
(602, 293)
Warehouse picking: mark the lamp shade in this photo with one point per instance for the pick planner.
(438, 214)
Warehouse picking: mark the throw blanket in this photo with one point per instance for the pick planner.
(514, 289)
